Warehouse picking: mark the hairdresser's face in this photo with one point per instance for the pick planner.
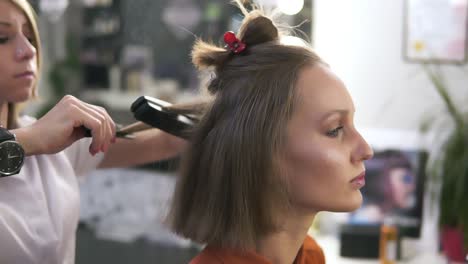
(324, 152)
(17, 55)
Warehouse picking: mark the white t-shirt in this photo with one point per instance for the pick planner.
(39, 207)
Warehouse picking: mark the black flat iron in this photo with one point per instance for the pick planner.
(155, 112)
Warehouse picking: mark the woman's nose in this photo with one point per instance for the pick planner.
(363, 150)
(24, 49)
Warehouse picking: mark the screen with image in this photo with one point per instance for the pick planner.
(394, 189)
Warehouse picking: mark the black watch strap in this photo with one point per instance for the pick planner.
(6, 135)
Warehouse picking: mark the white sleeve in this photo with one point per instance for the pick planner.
(78, 153)
(80, 158)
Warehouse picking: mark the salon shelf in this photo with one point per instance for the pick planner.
(92, 34)
(112, 99)
(98, 7)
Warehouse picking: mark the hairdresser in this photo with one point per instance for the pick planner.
(40, 160)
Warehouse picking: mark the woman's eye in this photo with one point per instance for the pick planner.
(335, 132)
(3, 40)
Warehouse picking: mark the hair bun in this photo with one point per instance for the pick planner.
(257, 29)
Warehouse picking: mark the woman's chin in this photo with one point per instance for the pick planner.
(19, 100)
(349, 205)
(355, 202)
(21, 96)
(346, 203)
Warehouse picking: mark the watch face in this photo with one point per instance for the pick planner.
(11, 157)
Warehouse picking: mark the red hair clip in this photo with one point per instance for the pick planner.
(233, 43)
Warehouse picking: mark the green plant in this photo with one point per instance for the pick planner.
(450, 161)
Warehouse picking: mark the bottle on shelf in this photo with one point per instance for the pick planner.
(389, 242)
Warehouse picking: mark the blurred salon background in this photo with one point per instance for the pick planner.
(398, 59)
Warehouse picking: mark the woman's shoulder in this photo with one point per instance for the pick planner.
(207, 256)
(214, 255)
(310, 253)
(311, 244)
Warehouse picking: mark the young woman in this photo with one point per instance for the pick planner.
(275, 146)
(39, 206)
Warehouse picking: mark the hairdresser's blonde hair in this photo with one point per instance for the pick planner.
(26, 8)
(230, 190)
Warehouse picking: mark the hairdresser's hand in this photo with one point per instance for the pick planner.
(63, 125)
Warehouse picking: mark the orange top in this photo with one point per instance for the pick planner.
(310, 253)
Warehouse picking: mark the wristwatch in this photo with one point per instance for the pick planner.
(11, 154)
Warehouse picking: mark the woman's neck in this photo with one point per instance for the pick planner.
(4, 114)
(282, 247)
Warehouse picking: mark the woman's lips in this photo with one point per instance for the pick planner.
(26, 75)
(359, 181)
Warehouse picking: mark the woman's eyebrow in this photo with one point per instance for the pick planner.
(341, 112)
(5, 24)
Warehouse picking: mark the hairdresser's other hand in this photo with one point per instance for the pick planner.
(64, 123)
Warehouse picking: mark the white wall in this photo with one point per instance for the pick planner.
(362, 41)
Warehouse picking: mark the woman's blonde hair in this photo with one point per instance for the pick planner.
(25, 6)
(230, 188)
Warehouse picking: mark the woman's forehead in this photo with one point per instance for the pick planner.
(321, 91)
(11, 15)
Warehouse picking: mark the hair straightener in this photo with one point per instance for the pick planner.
(155, 112)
